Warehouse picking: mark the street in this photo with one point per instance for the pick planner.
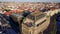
(14, 27)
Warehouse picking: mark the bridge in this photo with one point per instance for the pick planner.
(51, 13)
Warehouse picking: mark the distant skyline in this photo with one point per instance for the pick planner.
(29, 0)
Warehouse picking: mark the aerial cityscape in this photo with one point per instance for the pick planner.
(29, 18)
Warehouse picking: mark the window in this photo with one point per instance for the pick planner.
(31, 17)
(28, 24)
(41, 23)
(37, 17)
(40, 16)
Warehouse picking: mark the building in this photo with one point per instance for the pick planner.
(35, 23)
(17, 18)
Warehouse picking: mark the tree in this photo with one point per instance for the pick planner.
(7, 10)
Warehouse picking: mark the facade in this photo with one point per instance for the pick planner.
(16, 17)
(35, 23)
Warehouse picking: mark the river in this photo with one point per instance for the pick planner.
(58, 25)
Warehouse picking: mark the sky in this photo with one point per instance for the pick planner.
(29, 0)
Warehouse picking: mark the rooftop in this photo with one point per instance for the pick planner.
(35, 13)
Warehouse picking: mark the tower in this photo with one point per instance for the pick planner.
(35, 23)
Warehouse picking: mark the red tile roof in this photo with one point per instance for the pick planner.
(7, 13)
(17, 11)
